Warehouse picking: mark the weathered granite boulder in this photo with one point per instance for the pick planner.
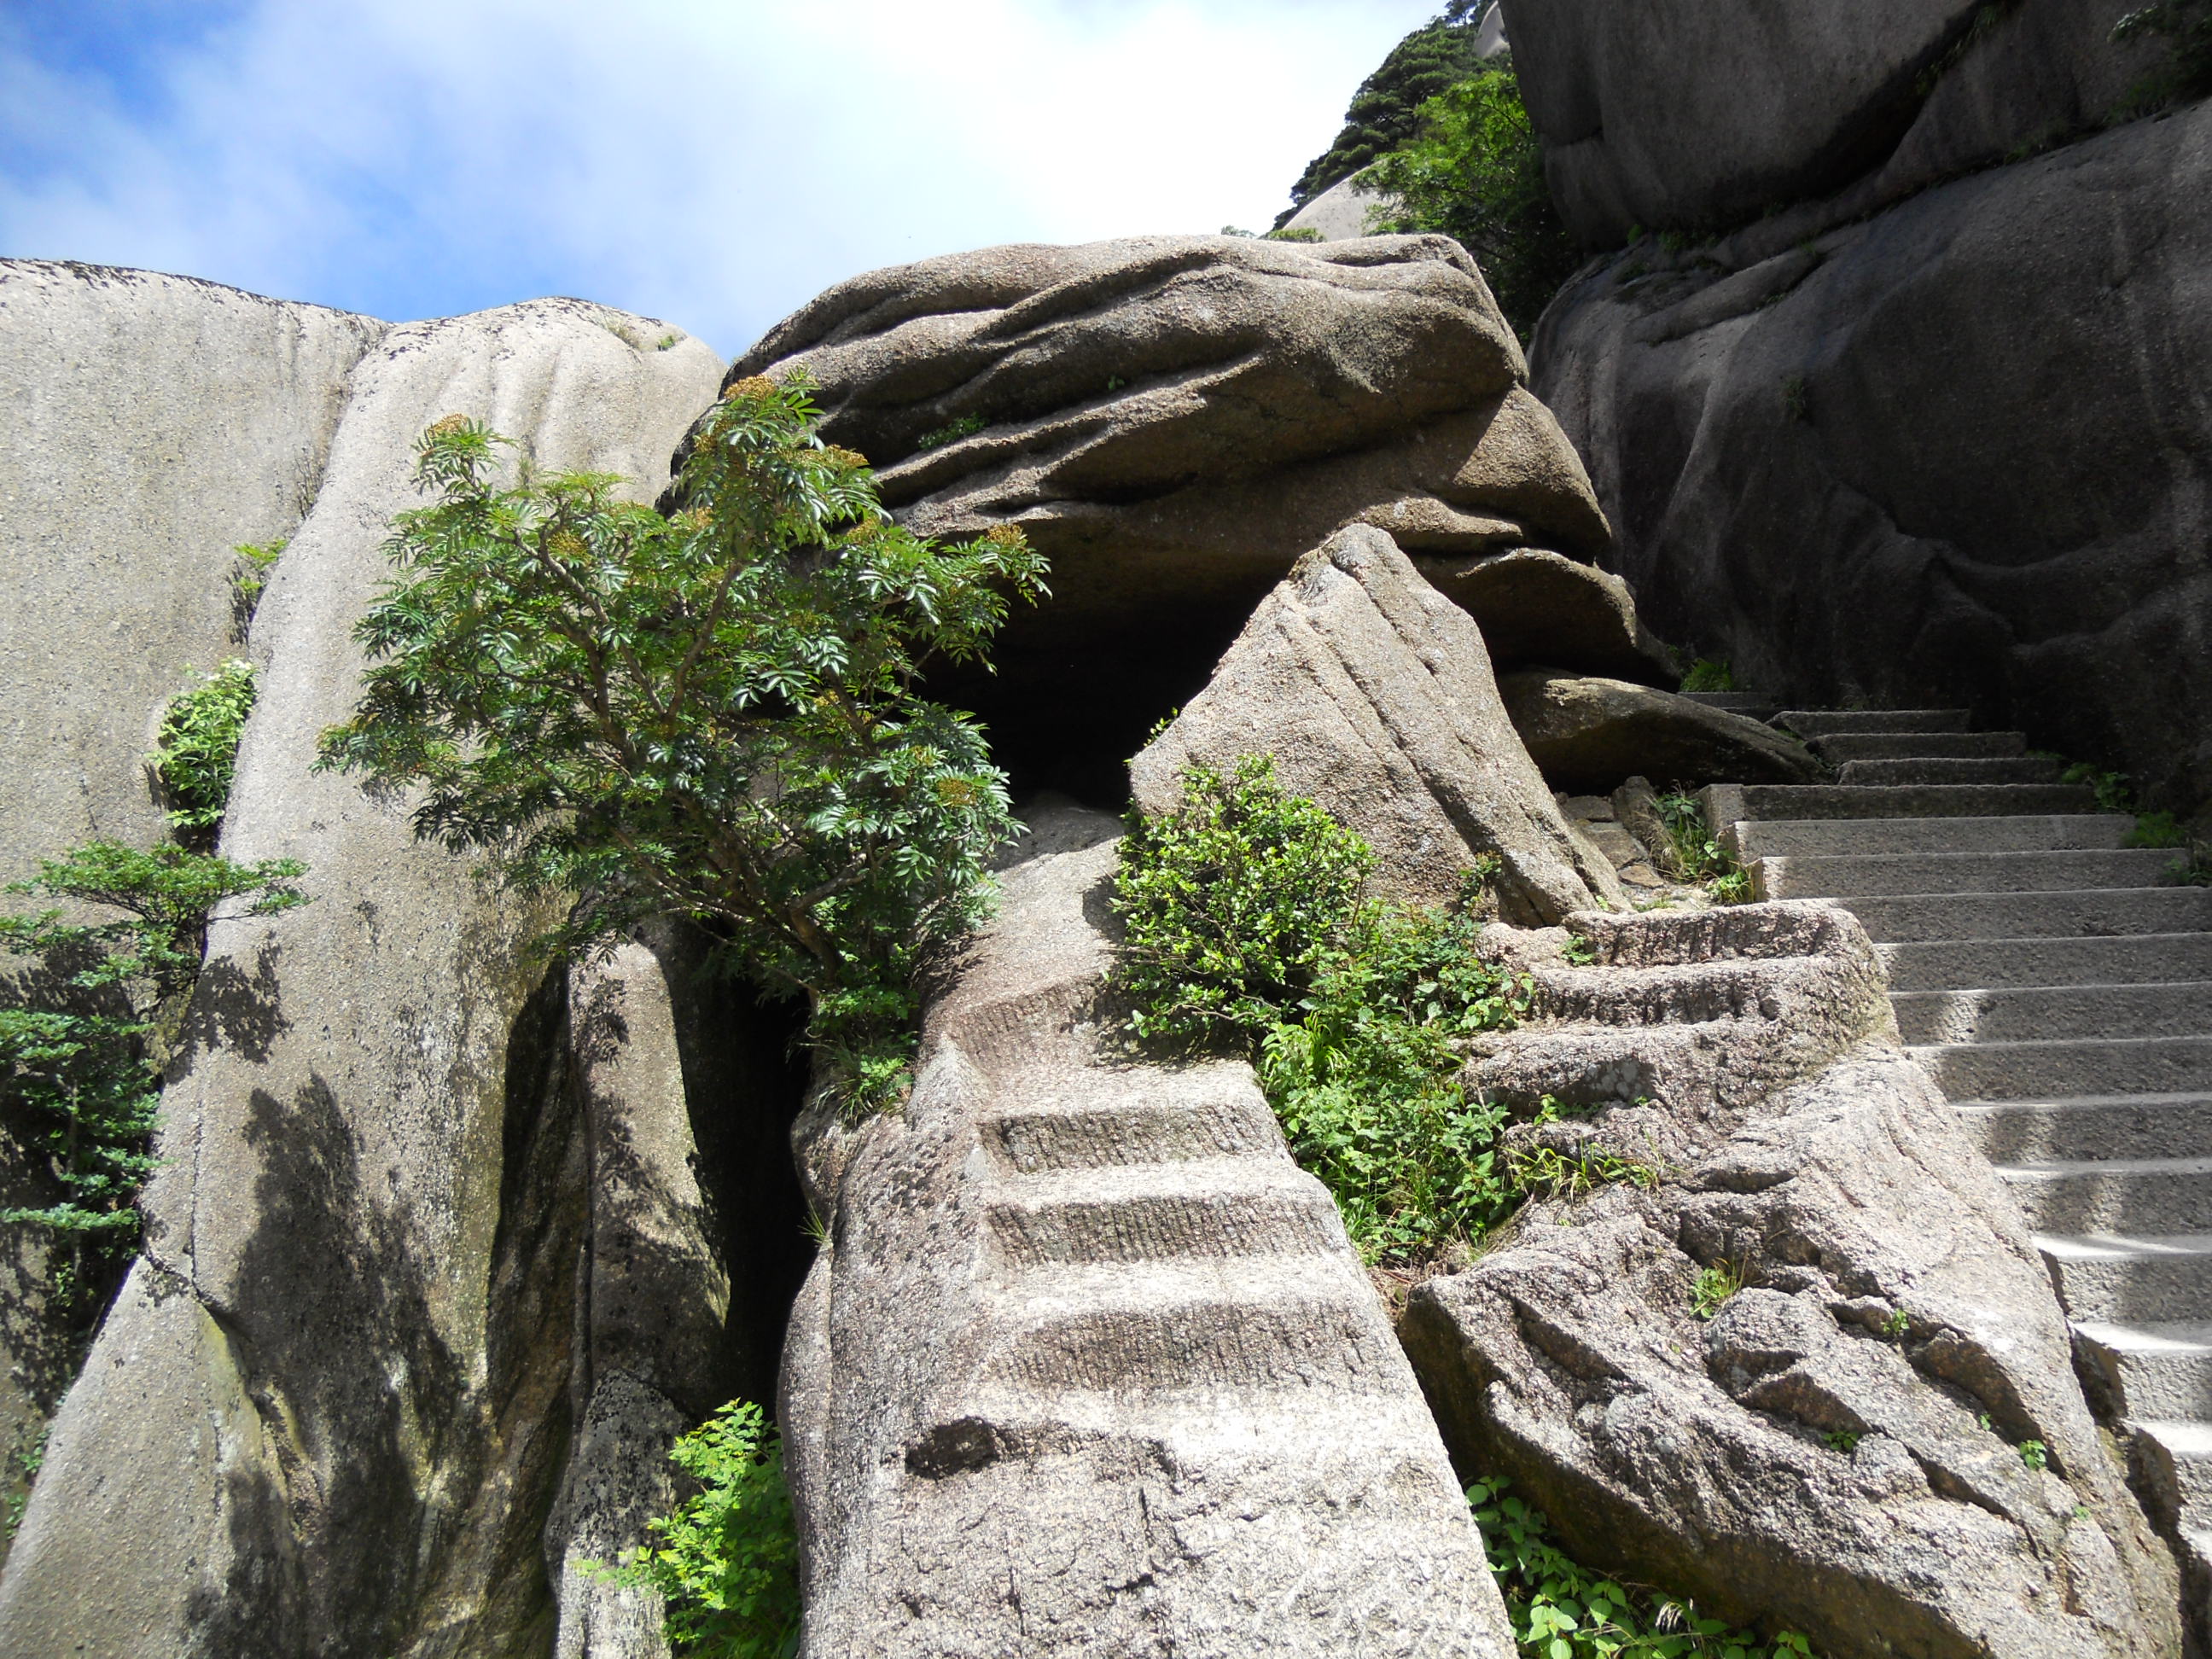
(1842, 469)
(1875, 1438)
(154, 422)
(334, 1405)
(1535, 607)
(1683, 116)
(1173, 420)
(1089, 1366)
(1375, 696)
(1592, 735)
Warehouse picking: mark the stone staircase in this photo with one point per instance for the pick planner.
(2059, 987)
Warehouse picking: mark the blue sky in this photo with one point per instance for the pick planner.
(713, 162)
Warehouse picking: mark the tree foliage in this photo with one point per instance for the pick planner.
(727, 1562)
(1385, 112)
(196, 750)
(711, 714)
(1475, 172)
(96, 1011)
(2186, 27)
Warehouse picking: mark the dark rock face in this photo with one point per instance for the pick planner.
(1089, 1367)
(1174, 420)
(1679, 115)
(1590, 735)
(1956, 455)
(1836, 1446)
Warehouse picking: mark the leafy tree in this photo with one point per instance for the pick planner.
(711, 714)
(1384, 114)
(82, 1052)
(727, 1562)
(1475, 173)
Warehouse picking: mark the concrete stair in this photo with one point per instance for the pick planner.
(2058, 986)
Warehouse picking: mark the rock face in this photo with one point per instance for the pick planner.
(1535, 607)
(1173, 420)
(1592, 735)
(1876, 1438)
(1875, 101)
(334, 1407)
(1339, 214)
(1830, 458)
(1089, 1366)
(154, 422)
(1375, 696)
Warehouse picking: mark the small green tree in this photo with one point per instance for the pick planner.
(97, 1012)
(727, 1561)
(712, 714)
(195, 750)
(1475, 173)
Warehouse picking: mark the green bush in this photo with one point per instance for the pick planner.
(1707, 674)
(1475, 172)
(709, 714)
(1694, 854)
(196, 750)
(727, 1562)
(1560, 1610)
(96, 1015)
(1232, 905)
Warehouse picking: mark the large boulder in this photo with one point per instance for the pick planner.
(1590, 736)
(334, 1405)
(1173, 420)
(1089, 1366)
(1375, 696)
(1863, 1423)
(1843, 469)
(1682, 116)
(153, 423)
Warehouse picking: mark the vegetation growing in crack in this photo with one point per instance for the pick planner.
(96, 1011)
(1694, 854)
(195, 755)
(711, 714)
(725, 1562)
(2186, 27)
(1560, 1609)
(1245, 931)
(1708, 674)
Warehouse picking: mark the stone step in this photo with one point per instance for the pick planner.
(1986, 964)
(2127, 1196)
(1749, 704)
(2031, 1013)
(1726, 803)
(2175, 1458)
(2110, 913)
(2074, 870)
(1826, 722)
(2152, 1370)
(1860, 837)
(1948, 769)
(1838, 747)
(2032, 1071)
(2130, 1281)
(2083, 1128)
(1216, 1207)
(1034, 1140)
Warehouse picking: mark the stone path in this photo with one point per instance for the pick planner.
(2059, 986)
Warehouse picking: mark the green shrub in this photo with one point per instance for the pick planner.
(1475, 173)
(709, 714)
(95, 1016)
(966, 427)
(1708, 674)
(2157, 829)
(1294, 233)
(251, 578)
(727, 1562)
(1561, 1610)
(1230, 905)
(196, 750)
(1695, 854)
(2113, 792)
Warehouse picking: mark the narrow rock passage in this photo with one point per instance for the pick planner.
(2058, 986)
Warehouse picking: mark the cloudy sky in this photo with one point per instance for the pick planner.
(713, 162)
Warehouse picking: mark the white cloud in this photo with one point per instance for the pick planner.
(715, 162)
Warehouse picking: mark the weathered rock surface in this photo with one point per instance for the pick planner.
(1535, 607)
(332, 1409)
(1838, 1451)
(1089, 1366)
(1592, 735)
(153, 423)
(1374, 694)
(1173, 420)
(1842, 469)
(1339, 213)
(1863, 104)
